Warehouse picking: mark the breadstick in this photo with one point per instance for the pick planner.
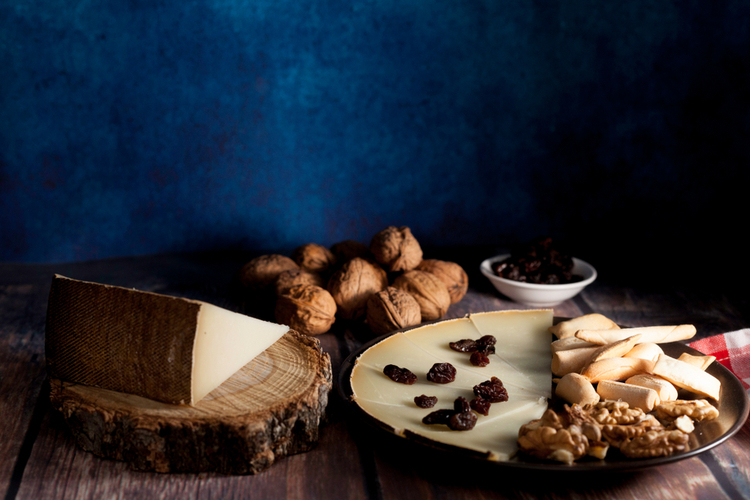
(616, 369)
(574, 388)
(656, 334)
(687, 376)
(646, 350)
(615, 349)
(664, 389)
(701, 362)
(634, 395)
(586, 322)
(570, 361)
(570, 343)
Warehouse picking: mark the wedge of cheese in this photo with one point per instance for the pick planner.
(165, 348)
(521, 361)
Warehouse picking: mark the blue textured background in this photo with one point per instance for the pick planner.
(148, 126)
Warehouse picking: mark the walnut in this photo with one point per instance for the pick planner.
(392, 309)
(314, 257)
(683, 423)
(552, 419)
(431, 293)
(450, 273)
(697, 409)
(598, 449)
(578, 415)
(291, 277)
(396, 249)
(260, 273)
(561, 445)
(564, 436)
(309, 309)
(656, 443)
(353, 284)
(348, 249)
(616, 434)
(615, 412)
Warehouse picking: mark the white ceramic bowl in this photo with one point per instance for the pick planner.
(533, 294)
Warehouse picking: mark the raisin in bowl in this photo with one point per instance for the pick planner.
(536, 294)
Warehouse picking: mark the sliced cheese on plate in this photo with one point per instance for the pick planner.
(521, 362)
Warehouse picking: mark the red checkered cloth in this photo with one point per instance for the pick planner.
(731, 350)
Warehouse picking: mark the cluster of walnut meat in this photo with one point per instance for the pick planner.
(592, 429)
(388, 284)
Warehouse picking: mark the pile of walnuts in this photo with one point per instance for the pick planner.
(388, 284)
(579, 431)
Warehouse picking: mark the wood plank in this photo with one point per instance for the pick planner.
(730, 463)
(22, 372)
(349, 462)
(58, 469)
(405, 475)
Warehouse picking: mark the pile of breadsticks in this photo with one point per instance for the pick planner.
(593, 358)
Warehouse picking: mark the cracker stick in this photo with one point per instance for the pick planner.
(586, 322)
(655, 334)
(687, 376)
(634, 395)
(701, 362)
(615, 349)
(646, 350)
(616, 369)
(574, 388)
(570, 343)
(570, 361)
(664, 389)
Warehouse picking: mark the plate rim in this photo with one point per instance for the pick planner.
(345, 391)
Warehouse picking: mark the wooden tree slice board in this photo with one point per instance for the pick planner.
(269, 409)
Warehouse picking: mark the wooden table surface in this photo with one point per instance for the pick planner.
(39, 460)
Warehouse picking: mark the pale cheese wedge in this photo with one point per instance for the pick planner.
(521, 361)
(170, 349)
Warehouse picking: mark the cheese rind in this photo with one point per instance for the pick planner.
(170, 349)
(521, 361)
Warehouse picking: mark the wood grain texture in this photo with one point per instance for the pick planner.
(349, 461)
(271, 408)
(22, 372)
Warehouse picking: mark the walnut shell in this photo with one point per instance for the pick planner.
(260, 273)
(392, 309)
(353, 284)
(291, 277)
(450, 273)
(396, 249)
(348, 249)
(314, 257)
(309, 309)
(431, 293)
